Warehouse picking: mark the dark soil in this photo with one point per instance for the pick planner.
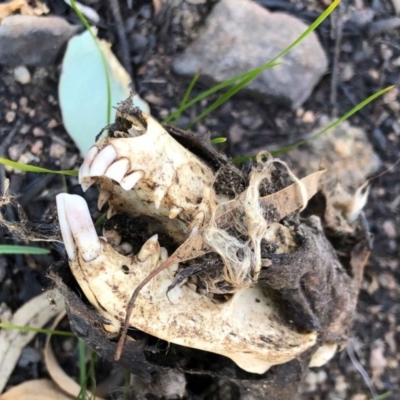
(366, 62)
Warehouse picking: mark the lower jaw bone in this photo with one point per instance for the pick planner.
(247, 328)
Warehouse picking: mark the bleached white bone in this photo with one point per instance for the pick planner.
(247, 328)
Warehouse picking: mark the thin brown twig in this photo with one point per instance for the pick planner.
(337, 32)
(123, 42)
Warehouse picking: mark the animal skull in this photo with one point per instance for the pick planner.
(143, 172)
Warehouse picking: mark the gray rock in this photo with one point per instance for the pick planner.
(32, 40)
(240, 35)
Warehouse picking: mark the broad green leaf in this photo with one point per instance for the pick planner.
(85, 100)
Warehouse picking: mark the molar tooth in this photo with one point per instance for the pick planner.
(104, 159)
(150, 249)
(174, 211)
(124, 248)
(104, 195)
(117, 170)
(87, 162)
(111, 212)
(130, 180)
(159, 194)
(112, 236)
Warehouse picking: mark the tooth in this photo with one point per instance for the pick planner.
(86, 183)
(164, 254)
(150, 249)
(64, 226)
(82, 228)
(357, 203)
(117, 170)
(112, 236)
(104, 195)
(104, 159)
(130, 180)
(87, 162)
(125, 248)
(194, 231)
(159, 194)
(197, 222)
(111, 212)
(174, 211)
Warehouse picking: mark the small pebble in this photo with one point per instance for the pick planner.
(390, 229)
(341, 385)
(24, 129)
(37, 147)
(38, 132)
(311, 381)
(57, 150)
(23, 101)
(10, 116)
(14, 152)
(377, 358)
(52, 124)
(359, 396)
(347, 72)
(308, 117)
(22, 75)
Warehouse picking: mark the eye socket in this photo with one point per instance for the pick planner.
(125, 269)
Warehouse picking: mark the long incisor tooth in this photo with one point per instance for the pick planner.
(174, 211)
(159, 194)
(104, 195)
(82, 228)
(131, 180)
(64, 226)
(150, 249)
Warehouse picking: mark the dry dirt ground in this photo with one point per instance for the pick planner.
(367, 60)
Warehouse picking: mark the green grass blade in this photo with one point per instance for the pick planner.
(382, 396)
(14, 249)
(223, 98)
(103, 58)
(219, 140)
(253, 74)
(4, 325)
(358, 107)
(211, 91)
(32, 168)
(186, 97)
(82, 368)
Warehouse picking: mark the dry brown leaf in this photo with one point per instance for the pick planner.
(35, 313)
(283, 202)
(40, 389)
(289, 199)
(64, 382)
(23, 7)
